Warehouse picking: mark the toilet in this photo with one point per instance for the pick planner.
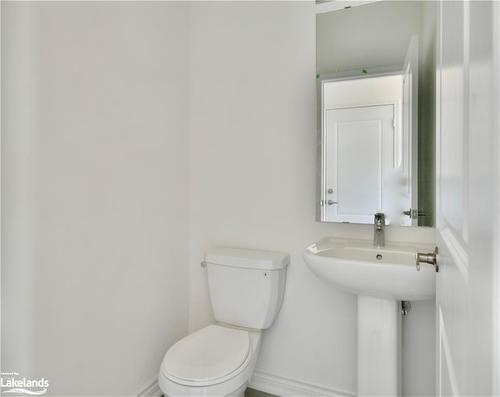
(246, 291)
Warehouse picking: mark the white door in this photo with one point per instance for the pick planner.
(410, 127)
(363, 165)
(468, 199)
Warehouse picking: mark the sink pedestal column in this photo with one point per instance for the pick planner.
(379, 341)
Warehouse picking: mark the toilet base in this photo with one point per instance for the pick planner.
(240, 392)
(233, 388)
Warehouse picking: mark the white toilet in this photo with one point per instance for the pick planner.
(246, 291)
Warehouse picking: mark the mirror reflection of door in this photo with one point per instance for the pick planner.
(355, 47)
(410, 124)
(366, 150)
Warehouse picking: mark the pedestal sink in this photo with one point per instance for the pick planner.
(381, 277)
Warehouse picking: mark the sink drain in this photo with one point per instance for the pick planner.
(379, 257)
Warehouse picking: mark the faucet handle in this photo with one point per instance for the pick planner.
(428, 257)
(379, 218)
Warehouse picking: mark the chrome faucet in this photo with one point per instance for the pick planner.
(378, 233)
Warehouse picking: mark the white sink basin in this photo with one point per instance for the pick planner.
(358, 267)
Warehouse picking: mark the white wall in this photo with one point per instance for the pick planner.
(419, 334)
(94, 184)
(361, 92)
(252, 177)
(379, 35)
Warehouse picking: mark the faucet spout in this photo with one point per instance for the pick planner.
(379, 230)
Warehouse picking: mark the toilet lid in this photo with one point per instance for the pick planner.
(208, 354)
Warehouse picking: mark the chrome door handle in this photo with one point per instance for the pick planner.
(413, 213)
(429, 258)
(331, 202)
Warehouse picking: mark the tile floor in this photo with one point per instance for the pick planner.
(256, 393)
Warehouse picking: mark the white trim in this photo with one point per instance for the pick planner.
(284, 387)
(496, 256)
(354, 74)
(337, 5)
(466, 121)
(445, 348)
(457, 252)
(394, 103)
(437, 152)
(1, 239)
(152, 390)
(273, 384)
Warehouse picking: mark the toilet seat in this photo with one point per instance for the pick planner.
(209, 356)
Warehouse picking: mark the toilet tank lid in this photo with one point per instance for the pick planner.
(247, 258)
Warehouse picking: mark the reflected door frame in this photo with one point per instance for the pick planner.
(337, 212)
(388, 70)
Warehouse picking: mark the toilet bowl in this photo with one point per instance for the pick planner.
(246, 291)
(215, 361)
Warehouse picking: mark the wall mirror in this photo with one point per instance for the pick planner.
(376, 88)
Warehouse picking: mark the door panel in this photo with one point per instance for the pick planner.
(453, 117)
(358, 140)
(364, 167)
(467, 199)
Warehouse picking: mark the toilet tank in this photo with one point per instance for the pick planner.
(246, 286)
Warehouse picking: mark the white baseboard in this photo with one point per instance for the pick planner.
(152, 390)
(286, 387)
(273, 384)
